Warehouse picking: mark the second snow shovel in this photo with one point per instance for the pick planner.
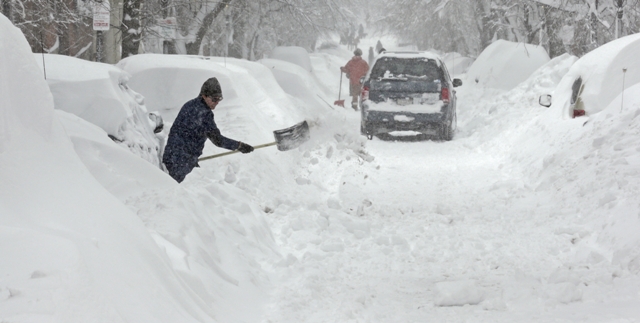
(339, 102)
(286, 139)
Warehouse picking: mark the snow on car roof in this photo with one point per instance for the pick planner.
(410, 54)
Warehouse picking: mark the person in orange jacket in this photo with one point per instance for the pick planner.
(355, 69)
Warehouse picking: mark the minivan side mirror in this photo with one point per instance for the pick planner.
(157, 121)
(457, 82)
(545, 100)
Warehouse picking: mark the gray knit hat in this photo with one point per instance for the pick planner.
(357, 52)
(211, 87)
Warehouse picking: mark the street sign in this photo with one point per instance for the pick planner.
(101, 15)
(167, 28)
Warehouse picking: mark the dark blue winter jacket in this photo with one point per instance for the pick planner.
(193, 125)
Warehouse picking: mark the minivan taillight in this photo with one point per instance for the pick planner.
(365, 93)
(444, 95)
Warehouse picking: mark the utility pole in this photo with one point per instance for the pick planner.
(164, 4)
(6, 9)
(101, 23)
(619, 4)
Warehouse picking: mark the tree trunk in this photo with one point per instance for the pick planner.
(594, 26)
(486, 27)
(130, 27)
(6, 9)
(63, 30)
(194, 47)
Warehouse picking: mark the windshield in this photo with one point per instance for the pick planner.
(405, 68)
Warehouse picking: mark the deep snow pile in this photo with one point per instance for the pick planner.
(91, 232)
(71, 251)
(99, 93)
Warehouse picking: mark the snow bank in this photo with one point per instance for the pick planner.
(497, 119)
(293, 54)
(212, 234)
(585, 171)
(120, 172)
(593, 165)
(99, 93)
(602, 75)
(71, 251)
(503, 64)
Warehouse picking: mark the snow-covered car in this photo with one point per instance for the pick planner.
(99, 93)
(505, 64)
(409, 91)
(597, 78)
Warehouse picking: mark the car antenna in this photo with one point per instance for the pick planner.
(624, 73)
(44, 67)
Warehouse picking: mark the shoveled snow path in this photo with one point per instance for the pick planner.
(439, 212)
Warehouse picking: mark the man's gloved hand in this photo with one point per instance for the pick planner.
(244, 148)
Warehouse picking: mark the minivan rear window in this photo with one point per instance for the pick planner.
(394, 67)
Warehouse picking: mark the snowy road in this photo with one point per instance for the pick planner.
(438, 212)
(448, 232)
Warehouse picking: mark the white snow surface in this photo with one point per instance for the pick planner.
(525, 216)
(504, 64)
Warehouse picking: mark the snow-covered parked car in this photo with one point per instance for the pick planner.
(99, 93)
(597, 78)
(457, 64)
(293, 54)
(505, 64)
(409, 91)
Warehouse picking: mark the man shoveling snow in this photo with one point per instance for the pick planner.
(193, 125)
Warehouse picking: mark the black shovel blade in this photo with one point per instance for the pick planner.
(292, 137)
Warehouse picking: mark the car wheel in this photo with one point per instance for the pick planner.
(446, 133)
(363, 129)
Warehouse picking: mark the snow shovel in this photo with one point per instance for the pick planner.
(286, 139)
(340, 102)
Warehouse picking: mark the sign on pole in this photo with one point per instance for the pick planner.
(101, 15)
(167, 28)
